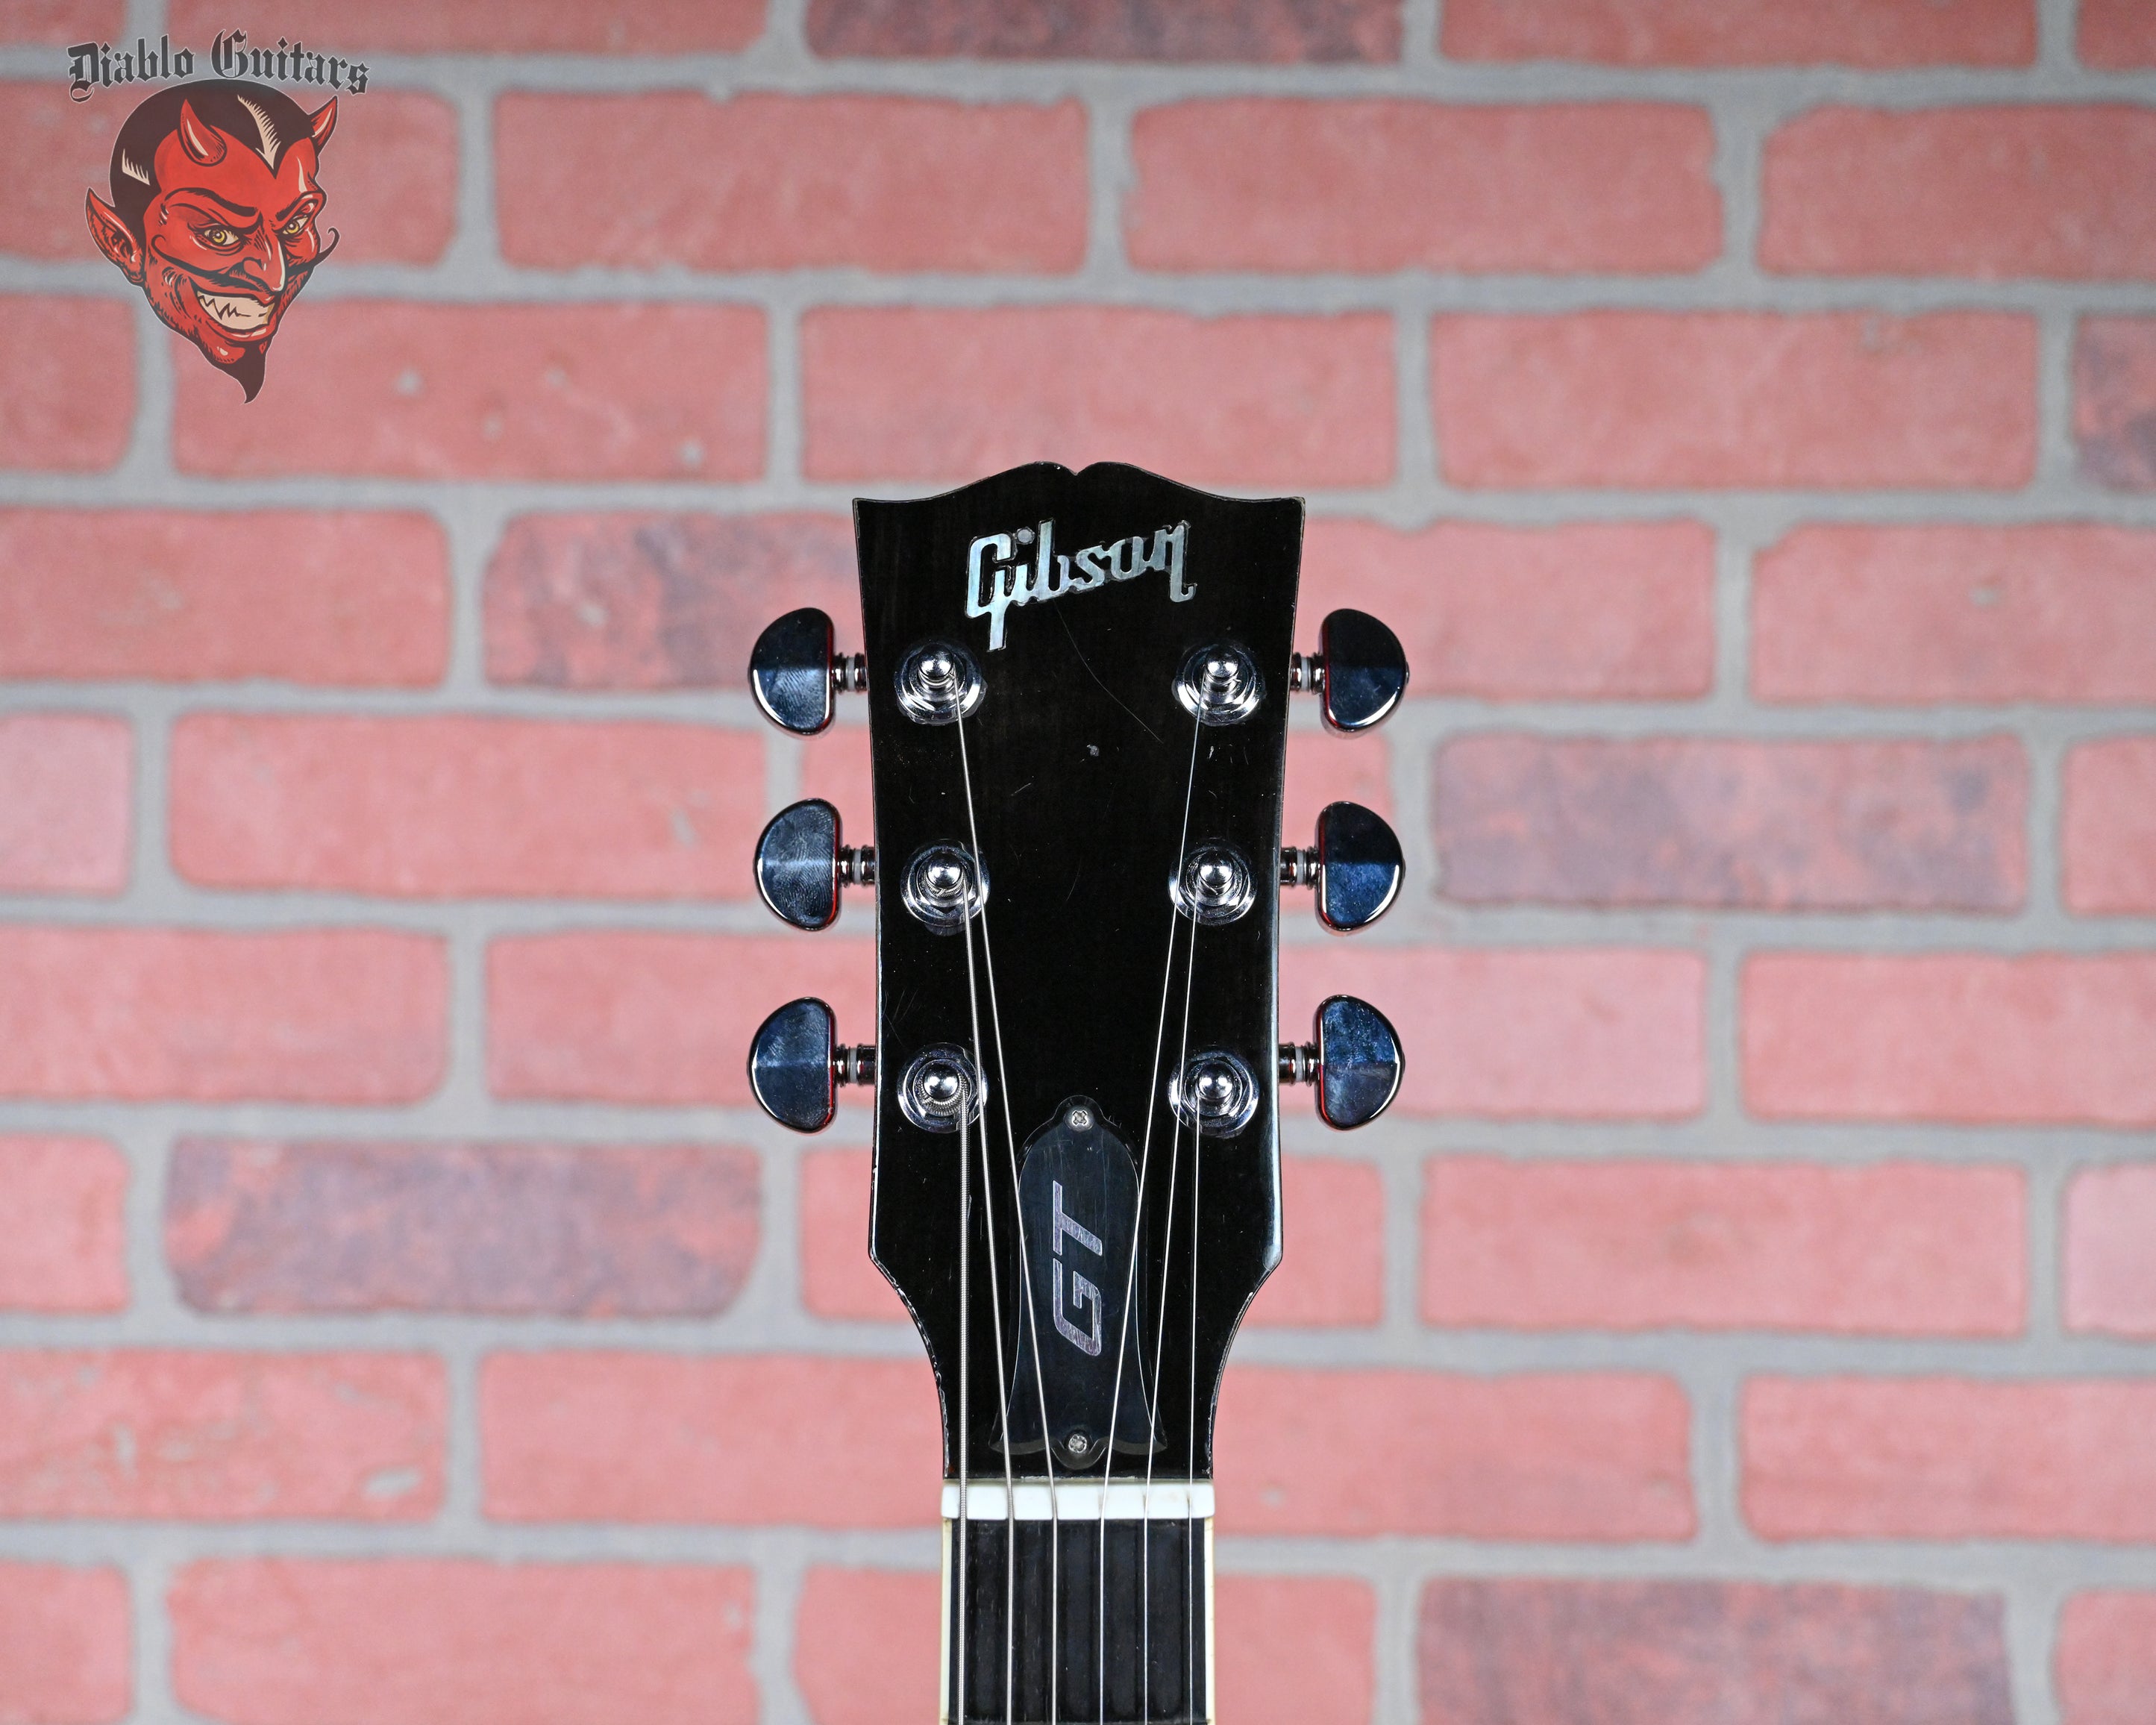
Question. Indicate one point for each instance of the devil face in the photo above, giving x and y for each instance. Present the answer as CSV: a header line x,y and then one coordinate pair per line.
x,y
227,236
230,242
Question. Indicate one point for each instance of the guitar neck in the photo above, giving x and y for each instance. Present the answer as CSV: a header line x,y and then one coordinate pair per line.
x,y
1073,1617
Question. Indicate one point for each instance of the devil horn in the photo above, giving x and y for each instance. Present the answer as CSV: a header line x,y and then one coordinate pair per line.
x,y
202,143
322,122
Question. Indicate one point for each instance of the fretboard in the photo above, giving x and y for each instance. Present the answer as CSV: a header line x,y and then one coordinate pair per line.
x,y
1042,1623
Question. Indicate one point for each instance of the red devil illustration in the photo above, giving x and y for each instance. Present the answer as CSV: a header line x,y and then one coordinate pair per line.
x,y
213,213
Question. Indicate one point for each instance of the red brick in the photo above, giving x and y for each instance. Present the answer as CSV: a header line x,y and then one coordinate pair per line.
x,y
568,392
869,182
1782,826
65,1246
1333,1262
2110,828
1737,400
655,27
336,598
391,178
756,1439
390,175
1253,32
2115,34
1507,1032
1899,1248
2105,1661
1584,1456
1990,192
303,1016
1253,183
2115,401
864,1645
69,402
645,601
1744,32
2111,1250
65,1646
1709,1653
904,393
1324,768
838,1279
70,142
835,766
1584,611
212,1437
66,780
60,22
636,1017
1951,1036
576,1230
465,806
1294,1651
411,1641
1903,616
1949,1458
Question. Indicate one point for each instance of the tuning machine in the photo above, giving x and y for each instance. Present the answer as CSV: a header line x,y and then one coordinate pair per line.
x,y
1355,863
796,1064
1355,1062
796,673
800,864
1359,671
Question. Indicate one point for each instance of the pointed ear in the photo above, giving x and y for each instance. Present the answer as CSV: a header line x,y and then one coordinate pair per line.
x,y
113,238
198,140
322,122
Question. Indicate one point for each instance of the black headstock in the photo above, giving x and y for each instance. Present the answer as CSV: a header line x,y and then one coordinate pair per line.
x,y
1077,689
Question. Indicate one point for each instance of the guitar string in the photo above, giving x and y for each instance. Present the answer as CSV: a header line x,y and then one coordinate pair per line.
x,y
1160,1332
1190,1463
1130,1280
1024,1270
996,1313
957,1676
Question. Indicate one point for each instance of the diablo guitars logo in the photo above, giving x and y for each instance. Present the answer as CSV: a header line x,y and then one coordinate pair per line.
x,y
214,212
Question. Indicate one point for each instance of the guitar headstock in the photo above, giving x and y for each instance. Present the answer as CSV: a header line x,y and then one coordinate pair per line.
x,y
1077,690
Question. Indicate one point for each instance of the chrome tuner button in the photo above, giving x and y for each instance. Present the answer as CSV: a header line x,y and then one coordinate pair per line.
x,y
1214,886
796,1064
1215,1093
1359,671
940,1088
801,864
1220,685
1356,1063
1355,864
943,885
793,672
939,683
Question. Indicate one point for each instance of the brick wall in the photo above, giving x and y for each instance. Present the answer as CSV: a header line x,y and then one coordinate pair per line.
x,y
1744,411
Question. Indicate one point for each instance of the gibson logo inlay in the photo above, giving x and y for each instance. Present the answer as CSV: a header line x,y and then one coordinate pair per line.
x,y
1012,581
